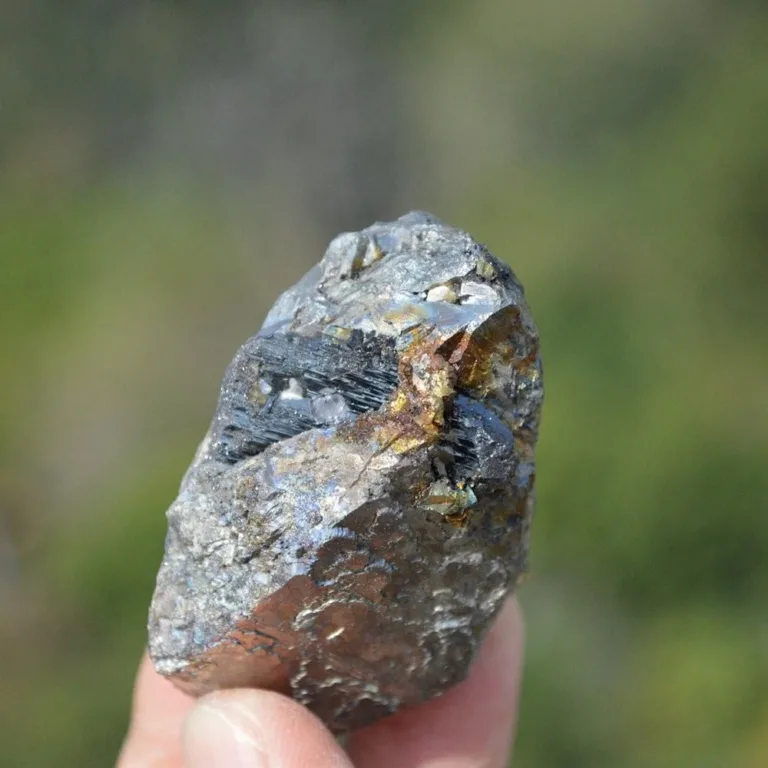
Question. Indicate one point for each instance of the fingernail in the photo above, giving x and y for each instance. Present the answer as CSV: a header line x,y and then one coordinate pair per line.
x,y
221,733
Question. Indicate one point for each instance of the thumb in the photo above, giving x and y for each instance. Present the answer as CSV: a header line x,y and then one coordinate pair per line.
x,y
257,729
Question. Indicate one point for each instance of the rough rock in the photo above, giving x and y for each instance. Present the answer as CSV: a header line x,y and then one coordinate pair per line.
x,y
360,506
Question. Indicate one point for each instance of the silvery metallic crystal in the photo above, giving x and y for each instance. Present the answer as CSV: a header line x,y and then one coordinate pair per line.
x,y
360,506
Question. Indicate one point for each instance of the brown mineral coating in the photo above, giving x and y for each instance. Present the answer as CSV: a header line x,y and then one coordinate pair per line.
x,y
360,506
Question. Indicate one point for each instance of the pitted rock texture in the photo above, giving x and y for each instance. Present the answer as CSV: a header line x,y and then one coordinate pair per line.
x,y
360,506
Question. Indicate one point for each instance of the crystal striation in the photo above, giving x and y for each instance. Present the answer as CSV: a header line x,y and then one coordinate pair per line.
x,y
360,506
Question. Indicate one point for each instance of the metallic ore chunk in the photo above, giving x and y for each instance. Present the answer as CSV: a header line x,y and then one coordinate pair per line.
x,y
360,506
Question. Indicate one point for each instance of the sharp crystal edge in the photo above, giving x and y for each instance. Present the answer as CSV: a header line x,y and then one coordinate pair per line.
x,y
360,506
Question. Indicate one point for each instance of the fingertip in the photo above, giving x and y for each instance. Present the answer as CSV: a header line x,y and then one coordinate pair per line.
x,y
158,711
257,729
154,694
508,631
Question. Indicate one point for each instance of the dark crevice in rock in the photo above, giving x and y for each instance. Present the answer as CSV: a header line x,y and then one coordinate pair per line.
x,y
478,442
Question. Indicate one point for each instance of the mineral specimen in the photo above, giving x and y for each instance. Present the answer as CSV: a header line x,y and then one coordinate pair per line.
x,y
360,506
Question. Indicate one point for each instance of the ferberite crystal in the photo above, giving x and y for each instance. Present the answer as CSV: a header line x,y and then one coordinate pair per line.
x,y
360,506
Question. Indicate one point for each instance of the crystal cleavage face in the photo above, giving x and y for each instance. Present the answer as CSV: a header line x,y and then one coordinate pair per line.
x,y
360,506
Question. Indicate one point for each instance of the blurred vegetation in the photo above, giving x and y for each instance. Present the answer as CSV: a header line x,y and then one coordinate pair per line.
x,y
167,168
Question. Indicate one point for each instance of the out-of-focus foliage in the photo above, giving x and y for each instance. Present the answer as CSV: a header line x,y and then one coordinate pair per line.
x,y
167,168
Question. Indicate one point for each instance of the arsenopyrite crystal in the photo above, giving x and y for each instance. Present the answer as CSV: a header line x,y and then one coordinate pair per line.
x,y
360,506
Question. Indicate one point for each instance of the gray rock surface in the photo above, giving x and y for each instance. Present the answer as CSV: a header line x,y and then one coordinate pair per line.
x,y
360,506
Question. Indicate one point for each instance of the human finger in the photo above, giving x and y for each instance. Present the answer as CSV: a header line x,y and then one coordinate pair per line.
x,y
257,729
159,709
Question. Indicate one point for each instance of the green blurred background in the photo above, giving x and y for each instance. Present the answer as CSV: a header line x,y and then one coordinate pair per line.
x,y
167,168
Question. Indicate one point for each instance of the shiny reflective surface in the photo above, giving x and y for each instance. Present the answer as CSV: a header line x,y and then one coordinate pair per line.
x,y
360,505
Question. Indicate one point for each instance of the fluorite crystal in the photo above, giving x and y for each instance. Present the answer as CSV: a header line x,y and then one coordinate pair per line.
x,y
360,506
